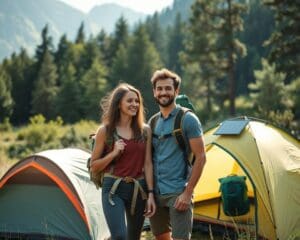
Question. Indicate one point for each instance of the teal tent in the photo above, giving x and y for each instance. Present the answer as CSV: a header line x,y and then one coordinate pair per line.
x,y
49,196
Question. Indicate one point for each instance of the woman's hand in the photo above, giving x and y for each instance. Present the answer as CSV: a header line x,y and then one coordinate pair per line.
x,y
150,206
119,147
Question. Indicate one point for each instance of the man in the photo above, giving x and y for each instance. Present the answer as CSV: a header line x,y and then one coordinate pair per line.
x,y
174,178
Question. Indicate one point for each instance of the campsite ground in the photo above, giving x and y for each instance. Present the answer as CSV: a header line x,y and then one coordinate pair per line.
x,y
197,235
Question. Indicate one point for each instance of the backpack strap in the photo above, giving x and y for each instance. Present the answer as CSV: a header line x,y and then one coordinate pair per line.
x,y
179,135
110,140
178,128
152,124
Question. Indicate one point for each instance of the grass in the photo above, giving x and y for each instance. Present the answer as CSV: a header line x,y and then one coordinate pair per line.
x,y
211,233
195,236
6,139
216,232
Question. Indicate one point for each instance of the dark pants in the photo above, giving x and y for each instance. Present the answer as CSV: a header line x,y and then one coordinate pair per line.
x,y
121,229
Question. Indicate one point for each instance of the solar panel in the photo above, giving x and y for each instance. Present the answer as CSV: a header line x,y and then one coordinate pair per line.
x,y
231,127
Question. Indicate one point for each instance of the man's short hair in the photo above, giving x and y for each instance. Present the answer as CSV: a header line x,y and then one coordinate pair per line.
x,y
164,74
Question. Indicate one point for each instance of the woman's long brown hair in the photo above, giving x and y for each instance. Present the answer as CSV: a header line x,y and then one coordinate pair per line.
x,y
111,111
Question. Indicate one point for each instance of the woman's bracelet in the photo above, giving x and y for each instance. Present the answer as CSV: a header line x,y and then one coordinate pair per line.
x,y
150,191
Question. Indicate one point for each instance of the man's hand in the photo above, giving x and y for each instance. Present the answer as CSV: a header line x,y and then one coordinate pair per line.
x,y
183,201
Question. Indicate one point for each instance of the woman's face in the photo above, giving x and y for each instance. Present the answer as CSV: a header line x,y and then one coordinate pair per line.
x,y
129,104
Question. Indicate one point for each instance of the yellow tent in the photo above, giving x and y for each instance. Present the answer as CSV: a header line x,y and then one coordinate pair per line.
x,y
270,159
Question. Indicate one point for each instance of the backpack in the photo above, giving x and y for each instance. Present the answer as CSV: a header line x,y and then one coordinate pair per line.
x,y
185,106
97,179
235,201
184,101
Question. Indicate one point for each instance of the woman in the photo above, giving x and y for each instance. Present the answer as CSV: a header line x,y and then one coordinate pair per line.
x,y
123,151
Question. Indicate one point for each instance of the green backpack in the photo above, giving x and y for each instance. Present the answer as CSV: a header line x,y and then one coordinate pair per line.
x,y
97,179
184,101
235,201
185,106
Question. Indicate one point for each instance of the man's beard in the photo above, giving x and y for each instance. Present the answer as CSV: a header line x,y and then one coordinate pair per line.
x,y
165,104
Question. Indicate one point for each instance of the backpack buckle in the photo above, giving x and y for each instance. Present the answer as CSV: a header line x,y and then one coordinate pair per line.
x,y
177,131
128,179
161,137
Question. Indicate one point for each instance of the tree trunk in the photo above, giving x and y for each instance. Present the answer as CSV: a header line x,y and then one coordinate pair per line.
x,y
231,77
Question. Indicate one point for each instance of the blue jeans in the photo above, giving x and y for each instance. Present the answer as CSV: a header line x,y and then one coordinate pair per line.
x,y
121,229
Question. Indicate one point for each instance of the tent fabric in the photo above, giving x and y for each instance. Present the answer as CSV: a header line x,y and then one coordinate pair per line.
x,y
57,218
52,185
270,158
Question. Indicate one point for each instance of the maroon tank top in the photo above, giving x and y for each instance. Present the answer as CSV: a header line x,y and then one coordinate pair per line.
x,y
131,161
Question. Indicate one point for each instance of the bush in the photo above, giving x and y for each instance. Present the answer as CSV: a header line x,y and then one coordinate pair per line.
x,y
81,132
71,139
18,151
40,135
5,126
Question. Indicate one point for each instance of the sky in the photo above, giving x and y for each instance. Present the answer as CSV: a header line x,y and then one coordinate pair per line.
x,y
144,6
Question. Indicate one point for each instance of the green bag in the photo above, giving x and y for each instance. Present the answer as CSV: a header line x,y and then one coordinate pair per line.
x,y
184,101
97,178
234,195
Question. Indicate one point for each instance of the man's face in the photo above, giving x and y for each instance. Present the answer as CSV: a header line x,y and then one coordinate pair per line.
x,y
164,92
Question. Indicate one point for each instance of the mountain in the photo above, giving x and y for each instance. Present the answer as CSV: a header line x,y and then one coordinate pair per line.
x,y
106,15
21,22
183,7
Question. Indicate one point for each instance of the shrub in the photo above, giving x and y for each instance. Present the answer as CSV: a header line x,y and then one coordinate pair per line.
x,y
40,135
5,125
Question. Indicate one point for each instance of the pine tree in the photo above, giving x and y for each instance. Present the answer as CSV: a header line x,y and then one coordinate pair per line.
x,y
43,55
294,89
6,101
156,34
62,57
262,16
175,45
45,46
76,56
89,53
200,57
45,88
120,36
80,58
86,54
119,67
104,42
285,41
269,92
21,69
69,97
214,25
80,37
94,85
